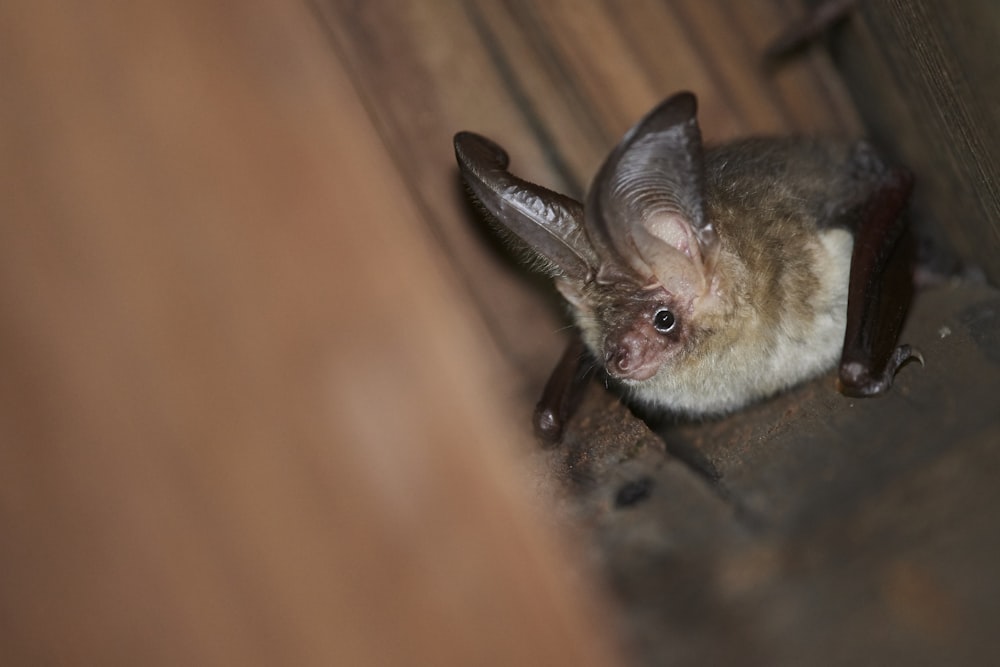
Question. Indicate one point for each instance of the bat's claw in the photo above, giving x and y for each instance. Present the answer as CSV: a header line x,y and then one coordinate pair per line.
x,y
856,379
908,354
548,425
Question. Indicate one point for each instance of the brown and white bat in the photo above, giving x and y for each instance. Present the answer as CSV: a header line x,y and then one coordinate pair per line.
x,y
704,279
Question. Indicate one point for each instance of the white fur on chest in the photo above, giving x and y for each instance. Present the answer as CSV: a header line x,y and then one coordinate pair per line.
x,y
760,366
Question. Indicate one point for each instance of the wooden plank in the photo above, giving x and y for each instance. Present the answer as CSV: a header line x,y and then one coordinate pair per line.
x,y
926,78
243,420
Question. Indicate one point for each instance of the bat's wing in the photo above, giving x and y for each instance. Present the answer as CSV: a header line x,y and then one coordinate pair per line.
x,y
881,283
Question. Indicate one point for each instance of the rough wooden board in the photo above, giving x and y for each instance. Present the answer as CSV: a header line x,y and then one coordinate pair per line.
x,y
243,420
926,76
657,531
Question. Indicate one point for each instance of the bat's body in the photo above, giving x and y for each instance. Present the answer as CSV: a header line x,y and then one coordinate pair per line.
x,y
774,312
704,280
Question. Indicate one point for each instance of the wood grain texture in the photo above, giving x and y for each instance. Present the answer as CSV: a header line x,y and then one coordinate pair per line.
x,y
242,418
926,78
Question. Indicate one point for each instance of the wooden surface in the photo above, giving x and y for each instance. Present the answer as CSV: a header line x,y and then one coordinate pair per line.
x,y
926,78
243,420
268,380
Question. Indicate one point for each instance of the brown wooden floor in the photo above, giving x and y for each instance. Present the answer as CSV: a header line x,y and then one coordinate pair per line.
x,y
267,380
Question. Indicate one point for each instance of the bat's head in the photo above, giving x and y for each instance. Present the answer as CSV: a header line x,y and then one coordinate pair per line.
x,y
636,330
636,262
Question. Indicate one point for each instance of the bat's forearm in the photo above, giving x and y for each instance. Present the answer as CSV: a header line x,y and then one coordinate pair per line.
x,y
880,291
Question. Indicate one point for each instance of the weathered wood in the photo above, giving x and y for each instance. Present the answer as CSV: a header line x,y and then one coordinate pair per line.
x,y
926,77
242,418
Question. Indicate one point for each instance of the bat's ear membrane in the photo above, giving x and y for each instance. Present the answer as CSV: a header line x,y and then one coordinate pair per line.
x,y
648,203
549,225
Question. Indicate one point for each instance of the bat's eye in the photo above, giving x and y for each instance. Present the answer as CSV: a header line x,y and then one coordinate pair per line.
x,y
664,321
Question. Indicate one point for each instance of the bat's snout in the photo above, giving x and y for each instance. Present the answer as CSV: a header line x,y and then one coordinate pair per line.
x,y
627,359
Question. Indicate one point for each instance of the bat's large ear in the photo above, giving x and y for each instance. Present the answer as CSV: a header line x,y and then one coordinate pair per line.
x,y
647,203
548,223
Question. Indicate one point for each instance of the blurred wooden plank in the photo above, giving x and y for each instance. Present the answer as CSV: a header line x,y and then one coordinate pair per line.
x,y
242,420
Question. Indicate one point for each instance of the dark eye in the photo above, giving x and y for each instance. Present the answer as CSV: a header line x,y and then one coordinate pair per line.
x,y
664,320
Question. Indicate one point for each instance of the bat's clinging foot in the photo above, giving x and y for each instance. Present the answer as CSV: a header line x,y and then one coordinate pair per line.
x,y
857,381
881,286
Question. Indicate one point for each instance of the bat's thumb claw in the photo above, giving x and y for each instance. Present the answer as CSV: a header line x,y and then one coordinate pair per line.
x,y
903,355
548,425
857,380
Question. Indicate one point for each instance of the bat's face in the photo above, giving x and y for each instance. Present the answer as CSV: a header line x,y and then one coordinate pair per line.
x,y
634,331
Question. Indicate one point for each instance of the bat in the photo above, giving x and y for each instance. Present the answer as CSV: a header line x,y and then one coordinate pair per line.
x,y
703,279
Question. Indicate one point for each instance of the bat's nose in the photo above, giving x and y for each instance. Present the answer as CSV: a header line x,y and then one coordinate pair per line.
x,y
618,359
629,357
